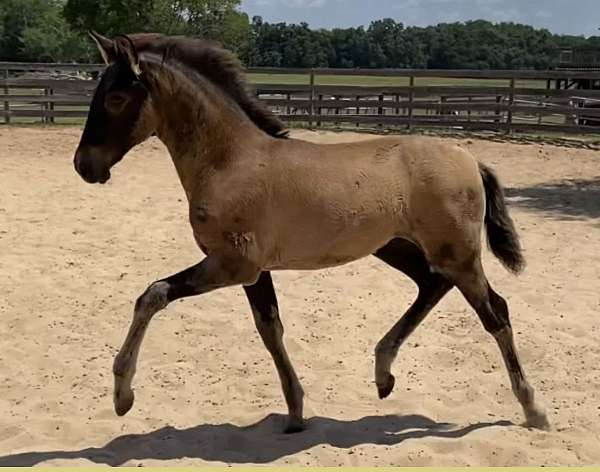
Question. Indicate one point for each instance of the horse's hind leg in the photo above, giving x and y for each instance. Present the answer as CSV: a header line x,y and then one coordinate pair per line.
x,y
263,302
493,312
409,259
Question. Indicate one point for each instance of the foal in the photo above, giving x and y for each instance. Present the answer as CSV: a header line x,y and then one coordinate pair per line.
x,y
260,202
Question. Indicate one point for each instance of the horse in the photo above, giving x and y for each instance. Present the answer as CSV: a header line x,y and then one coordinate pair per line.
x,y
260,201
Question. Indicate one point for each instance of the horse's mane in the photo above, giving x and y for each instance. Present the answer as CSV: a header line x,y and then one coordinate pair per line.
x,y
218,65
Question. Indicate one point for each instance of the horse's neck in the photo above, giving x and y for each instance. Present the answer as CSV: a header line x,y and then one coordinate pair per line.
x,y
202,133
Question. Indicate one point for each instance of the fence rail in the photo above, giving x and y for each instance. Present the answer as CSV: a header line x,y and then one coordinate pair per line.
x,y
475,100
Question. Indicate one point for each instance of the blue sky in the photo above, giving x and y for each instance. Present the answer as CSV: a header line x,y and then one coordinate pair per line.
x,y
559,16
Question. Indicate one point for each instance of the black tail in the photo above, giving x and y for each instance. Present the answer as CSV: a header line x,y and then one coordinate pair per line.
x,y
502,236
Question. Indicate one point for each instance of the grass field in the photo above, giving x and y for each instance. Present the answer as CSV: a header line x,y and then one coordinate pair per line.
x,y
361,80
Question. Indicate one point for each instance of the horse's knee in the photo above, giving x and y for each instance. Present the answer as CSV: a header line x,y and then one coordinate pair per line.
x,y
270,328
154,299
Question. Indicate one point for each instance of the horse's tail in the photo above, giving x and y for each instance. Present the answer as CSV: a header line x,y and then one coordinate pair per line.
x,y
502,236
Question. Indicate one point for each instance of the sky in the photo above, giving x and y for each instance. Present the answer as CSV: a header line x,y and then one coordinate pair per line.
x,y
579,17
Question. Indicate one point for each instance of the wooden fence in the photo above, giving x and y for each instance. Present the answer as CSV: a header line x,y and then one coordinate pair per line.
x,y
458,99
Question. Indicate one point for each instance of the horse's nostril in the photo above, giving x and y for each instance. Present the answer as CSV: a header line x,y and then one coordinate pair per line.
x,y
77,161
84,169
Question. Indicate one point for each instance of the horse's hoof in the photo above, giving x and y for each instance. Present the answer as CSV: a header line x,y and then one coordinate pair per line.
x,y
294,425
123,402
385,390
537,419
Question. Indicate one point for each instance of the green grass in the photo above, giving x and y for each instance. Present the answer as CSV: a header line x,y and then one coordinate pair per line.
x,y
360,80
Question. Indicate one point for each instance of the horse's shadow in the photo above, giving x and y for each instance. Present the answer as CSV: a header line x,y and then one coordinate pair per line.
x,y
566,199
260,443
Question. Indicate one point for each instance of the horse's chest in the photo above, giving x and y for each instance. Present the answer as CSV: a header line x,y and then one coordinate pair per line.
x,y
216,232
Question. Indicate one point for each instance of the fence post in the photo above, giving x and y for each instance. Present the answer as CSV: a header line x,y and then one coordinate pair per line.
x,y
541,104
287,108
548,86
46,107
511,101
497,112
51,90
380,109
311,98
6,103
410,101
43,105
470,100
319,111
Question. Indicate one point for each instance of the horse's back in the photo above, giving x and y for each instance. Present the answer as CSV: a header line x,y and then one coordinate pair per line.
x,y
434,193
351,199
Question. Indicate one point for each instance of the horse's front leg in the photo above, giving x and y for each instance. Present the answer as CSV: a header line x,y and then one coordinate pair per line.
x,y
214,272
263,301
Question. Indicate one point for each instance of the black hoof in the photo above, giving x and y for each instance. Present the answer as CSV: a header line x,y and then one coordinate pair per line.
x,y
385,391
123,402
294,426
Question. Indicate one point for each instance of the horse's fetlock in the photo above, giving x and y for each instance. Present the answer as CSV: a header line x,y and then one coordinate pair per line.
x,y
382,348
120,366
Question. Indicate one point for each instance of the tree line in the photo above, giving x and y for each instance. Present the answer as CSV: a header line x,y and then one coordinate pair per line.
x,y
55,31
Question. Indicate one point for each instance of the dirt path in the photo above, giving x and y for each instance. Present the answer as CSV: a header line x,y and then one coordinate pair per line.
x,y
74,257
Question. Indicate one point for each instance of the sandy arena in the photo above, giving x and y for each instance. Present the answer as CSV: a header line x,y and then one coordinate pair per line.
x,y
74,257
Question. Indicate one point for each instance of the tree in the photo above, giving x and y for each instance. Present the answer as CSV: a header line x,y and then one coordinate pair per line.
x,y
210,19
394,46
35,30
109,17
55,30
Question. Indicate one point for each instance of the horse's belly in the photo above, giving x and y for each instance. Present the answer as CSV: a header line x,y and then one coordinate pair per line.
x,y
320,249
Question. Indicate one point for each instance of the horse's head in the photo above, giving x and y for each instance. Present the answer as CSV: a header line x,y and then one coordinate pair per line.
x,y
120,115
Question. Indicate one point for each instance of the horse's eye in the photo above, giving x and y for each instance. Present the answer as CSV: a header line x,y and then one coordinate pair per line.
x,y
115,101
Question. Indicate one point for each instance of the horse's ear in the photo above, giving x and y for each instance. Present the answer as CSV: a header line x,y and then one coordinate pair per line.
x,y
126,49
105,46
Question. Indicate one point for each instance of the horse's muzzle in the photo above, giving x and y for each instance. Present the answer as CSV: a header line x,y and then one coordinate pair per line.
x,y
90,166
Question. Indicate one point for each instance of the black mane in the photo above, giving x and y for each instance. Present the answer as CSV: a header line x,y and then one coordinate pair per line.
x,y
224,70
